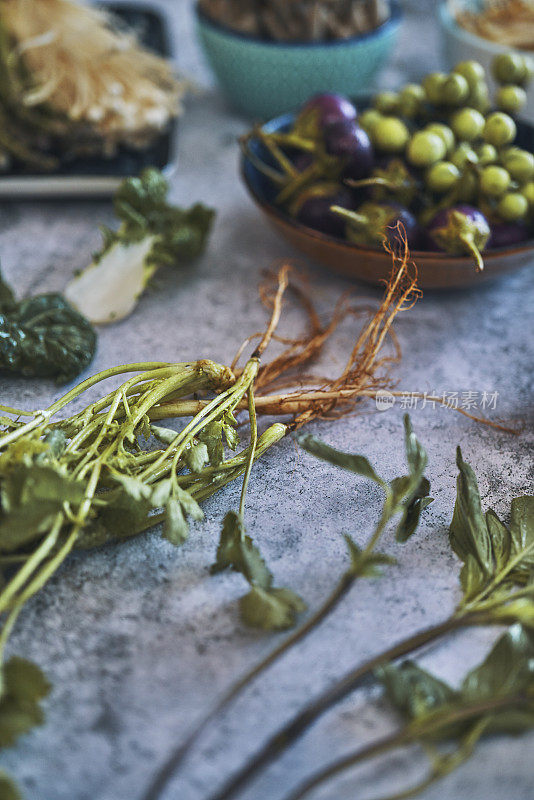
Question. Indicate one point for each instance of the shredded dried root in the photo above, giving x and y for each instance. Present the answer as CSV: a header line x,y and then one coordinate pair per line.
x,y
84,69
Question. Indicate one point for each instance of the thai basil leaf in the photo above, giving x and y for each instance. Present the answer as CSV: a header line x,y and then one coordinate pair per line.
x,y
492,552
413,691
353,463
468,531
44,337
509,667
507,672
522,536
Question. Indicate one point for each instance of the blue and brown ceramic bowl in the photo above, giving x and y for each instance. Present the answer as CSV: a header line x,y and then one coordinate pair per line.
x,y
265,78
373,265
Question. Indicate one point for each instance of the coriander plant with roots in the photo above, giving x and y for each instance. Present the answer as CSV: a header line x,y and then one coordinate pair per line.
x,y
95,477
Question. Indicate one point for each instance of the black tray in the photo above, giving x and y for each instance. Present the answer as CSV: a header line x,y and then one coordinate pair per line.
x,y
98,176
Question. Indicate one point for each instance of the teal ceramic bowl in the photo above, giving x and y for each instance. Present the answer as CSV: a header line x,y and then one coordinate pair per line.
x,y
264,79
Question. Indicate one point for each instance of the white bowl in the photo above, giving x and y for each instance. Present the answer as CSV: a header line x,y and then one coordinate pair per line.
x,y
460,45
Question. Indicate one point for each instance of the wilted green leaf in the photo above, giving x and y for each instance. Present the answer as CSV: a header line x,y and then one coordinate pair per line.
x,y
178,507
23,687
406,495
31,497
175,527
122,514
161,492
493,554
498,690
522,535
468,531
8,789
196,456
211,436
237,551
353,463
165,435
136,489
413,691
271,609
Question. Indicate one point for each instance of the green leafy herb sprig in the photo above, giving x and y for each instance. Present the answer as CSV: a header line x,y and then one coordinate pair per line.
x,y
404,497
495,697
152,233
43,336
499,590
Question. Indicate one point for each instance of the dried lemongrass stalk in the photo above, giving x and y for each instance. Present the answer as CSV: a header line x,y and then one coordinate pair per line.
x,y
509,22
71,60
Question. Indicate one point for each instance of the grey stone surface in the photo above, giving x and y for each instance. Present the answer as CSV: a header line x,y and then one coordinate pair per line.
x,y
140,640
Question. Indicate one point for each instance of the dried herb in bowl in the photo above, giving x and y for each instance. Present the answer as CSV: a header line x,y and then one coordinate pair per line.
x,y
509,22
298,20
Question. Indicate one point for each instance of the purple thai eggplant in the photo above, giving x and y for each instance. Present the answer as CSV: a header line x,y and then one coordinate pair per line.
x,y
328,108
350,143
312,207
506,234
460,230
371,223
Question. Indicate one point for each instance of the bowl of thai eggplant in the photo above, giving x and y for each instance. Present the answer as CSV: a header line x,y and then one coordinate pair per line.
x,y
435,164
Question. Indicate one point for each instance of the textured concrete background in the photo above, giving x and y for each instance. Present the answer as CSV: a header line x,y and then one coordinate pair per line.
x,y
140,640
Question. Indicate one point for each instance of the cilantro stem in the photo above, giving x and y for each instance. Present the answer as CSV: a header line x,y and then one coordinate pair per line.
x,y
252,449
31,564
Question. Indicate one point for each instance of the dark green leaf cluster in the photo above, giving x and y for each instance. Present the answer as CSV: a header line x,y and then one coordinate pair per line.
x,y
43,336
499,692
32,495
495,556
23,686
142,206
265,606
